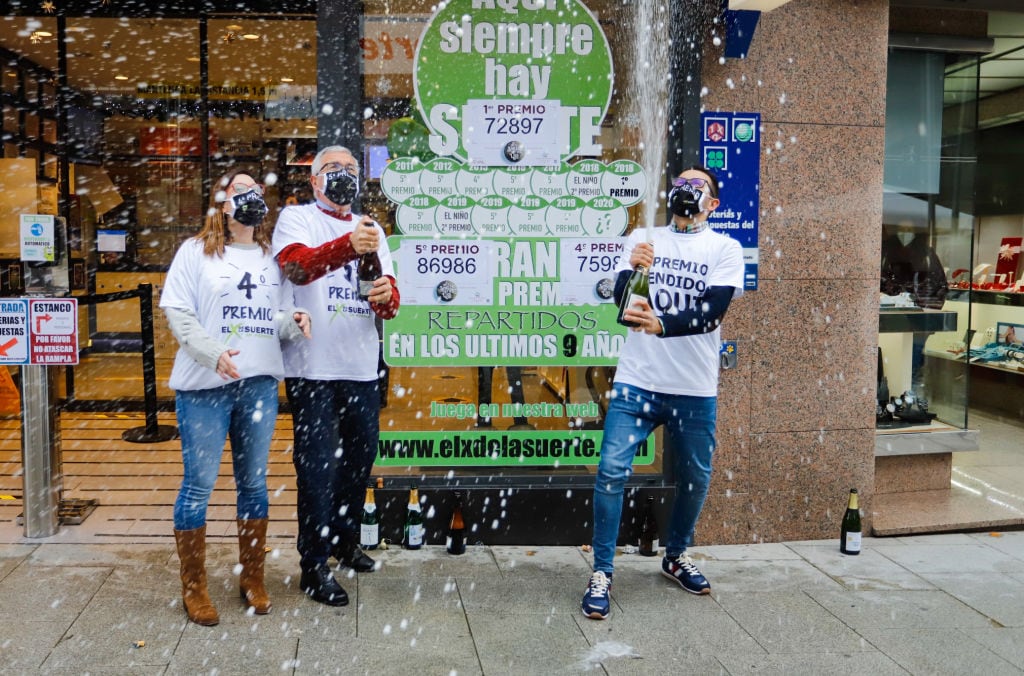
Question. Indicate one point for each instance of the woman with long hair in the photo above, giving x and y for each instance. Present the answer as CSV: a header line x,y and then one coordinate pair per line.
x,y
229,307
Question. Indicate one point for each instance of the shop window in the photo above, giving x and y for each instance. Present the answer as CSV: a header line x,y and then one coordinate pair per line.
x,y
928,226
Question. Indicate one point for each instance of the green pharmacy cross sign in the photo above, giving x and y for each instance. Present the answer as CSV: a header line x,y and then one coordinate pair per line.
x,y
513,82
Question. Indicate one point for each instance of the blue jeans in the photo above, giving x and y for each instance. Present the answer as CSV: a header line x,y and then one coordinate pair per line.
x,y
245,411
336,424
633,413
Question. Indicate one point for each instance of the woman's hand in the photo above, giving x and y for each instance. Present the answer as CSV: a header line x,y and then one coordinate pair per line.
x,y
226,368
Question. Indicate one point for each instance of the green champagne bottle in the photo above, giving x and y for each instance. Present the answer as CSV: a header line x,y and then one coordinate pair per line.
x,y
414,521
637,287
369,527
849,536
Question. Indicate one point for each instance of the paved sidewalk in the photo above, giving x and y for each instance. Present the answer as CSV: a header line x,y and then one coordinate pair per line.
x,y
941,604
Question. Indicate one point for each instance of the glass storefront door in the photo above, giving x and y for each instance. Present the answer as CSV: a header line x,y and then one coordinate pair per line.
x,y
158,107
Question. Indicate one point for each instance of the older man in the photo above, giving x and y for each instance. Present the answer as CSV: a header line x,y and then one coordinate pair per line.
x,y
332,380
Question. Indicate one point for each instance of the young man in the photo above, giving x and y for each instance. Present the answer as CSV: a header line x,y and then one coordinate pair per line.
x,y
332,380
667,375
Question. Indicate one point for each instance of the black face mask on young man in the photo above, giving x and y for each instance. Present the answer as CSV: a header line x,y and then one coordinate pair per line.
x,y
686,201
249,209
341,187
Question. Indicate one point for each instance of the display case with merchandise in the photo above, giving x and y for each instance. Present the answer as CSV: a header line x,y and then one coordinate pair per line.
x,y
927,237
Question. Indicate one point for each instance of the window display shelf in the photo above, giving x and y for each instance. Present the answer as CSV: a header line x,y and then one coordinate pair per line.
x,y
916,321
936,437
1005,298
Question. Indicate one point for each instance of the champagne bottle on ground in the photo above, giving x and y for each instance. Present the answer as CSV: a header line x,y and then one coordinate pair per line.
x,y
456,540
637,287
368,271
414,521
649,530
369,527
849,536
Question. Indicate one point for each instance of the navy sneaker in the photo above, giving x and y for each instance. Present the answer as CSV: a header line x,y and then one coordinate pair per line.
x,y
596,599
682,570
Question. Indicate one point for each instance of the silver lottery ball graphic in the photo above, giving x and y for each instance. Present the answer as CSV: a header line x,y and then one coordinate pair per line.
x,y
605,289
447,291
514,151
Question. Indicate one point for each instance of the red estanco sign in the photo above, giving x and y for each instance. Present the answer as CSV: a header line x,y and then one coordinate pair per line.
x,y
53,331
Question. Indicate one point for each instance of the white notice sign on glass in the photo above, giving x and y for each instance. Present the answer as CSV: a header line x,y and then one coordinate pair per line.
x,y
446,271
111,240
502,133
37,241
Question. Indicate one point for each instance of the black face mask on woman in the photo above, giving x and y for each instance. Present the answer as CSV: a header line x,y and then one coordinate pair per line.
x,y
341,187
249,209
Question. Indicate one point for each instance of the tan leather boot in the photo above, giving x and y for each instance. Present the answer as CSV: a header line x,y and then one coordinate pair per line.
x,y
192,552
252,540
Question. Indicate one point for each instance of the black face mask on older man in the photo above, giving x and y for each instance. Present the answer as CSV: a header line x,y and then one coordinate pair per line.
x,y
341,187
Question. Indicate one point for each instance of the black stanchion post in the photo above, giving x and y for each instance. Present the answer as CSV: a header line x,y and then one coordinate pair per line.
x,y
153,431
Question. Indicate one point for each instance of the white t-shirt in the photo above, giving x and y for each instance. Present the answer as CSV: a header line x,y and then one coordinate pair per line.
x,y
684,266
345,344
237,298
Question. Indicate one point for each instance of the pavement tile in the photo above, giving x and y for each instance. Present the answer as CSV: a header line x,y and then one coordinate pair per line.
x,y
24,645
687,639
999,597
938,651
150,584
898,608
1011,542
791,622
11,556
868,570
106,632
1007,642
546,560
108,670
773,552
546,595
758,576
969,557
52,593
529,644
839,664
367,656
933,540
617,658
425,611
229,656
132,554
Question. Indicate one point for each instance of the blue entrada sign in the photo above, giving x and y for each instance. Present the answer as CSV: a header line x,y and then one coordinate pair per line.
x,y
731,147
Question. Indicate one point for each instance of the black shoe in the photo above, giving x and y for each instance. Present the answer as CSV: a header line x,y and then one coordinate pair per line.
x,y
319,584
354,557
